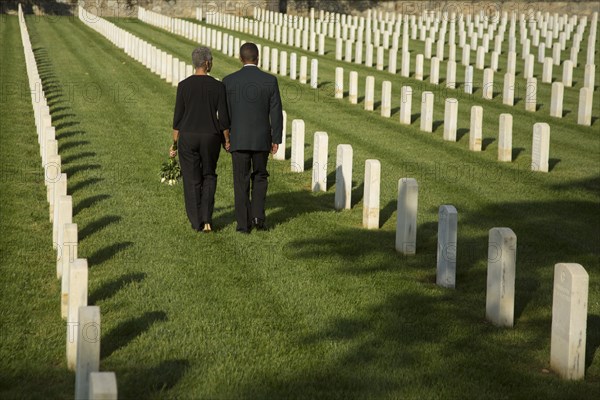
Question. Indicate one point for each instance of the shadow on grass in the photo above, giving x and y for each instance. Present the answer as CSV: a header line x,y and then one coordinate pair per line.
x,y
592,339
151,382
89,202
83,184
97,225
110,288
387,343
127,331
109,252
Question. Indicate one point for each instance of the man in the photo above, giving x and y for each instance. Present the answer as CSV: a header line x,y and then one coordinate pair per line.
x,y
254,105
199,118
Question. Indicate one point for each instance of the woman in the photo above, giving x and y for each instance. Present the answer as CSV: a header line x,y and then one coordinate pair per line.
x,y
200,118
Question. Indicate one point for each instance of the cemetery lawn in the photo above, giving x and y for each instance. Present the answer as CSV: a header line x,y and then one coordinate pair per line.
x,y
315,308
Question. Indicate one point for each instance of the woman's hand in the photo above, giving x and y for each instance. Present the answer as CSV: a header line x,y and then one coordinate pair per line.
x,y
172,152
227,145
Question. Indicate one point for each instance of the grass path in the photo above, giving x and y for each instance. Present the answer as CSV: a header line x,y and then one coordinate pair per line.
x,y
317,307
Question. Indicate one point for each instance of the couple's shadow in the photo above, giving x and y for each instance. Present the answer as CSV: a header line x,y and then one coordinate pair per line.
x,y
282,207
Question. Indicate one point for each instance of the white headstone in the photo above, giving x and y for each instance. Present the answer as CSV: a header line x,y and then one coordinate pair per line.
x,y
547,70
556,101
406,222
569,321
451,75
386,99
450,119
469,79
584,112
480,59
405,64
283,57
68,255
303,69
531,95
380,54
297,159
319,169
406,105
419,67
488,84
505,138
475,135
88,349
540,149
529,65
369,93
567,78
280,154
339,83
447,246
78,297
427,111
434,74
60,189
353,87
63,214
371,194
343,177
589,76
393,61
500,298
293,66
466,55
314,73
508,94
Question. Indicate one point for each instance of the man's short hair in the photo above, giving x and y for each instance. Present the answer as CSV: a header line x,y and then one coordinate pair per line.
x,y
201,55
249,52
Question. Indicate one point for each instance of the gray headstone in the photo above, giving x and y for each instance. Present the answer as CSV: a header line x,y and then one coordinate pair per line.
x,y
343,177
319,169
371,194
88,349
447,246
406,222
540,149
569,321
500,298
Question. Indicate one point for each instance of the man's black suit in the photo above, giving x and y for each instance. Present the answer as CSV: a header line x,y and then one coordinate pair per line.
x,y
254,105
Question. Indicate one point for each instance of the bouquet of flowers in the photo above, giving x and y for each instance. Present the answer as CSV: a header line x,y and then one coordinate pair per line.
x,y
170,171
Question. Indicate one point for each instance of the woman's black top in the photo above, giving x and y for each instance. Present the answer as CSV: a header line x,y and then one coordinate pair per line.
x,y
201,106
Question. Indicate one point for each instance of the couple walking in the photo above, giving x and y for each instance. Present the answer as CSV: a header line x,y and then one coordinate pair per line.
x,y
243,114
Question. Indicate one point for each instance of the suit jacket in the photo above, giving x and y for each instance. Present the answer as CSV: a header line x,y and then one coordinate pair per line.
x,y
254,105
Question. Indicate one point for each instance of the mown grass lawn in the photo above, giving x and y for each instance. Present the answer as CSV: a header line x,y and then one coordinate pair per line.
x,y
315,308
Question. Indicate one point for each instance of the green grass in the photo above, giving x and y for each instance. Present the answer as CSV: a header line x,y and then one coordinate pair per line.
x,y
315,308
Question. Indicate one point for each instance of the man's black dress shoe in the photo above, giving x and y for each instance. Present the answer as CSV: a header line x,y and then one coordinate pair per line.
x,y
259,224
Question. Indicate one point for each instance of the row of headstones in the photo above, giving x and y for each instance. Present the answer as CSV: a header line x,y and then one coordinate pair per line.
x,y
344,154
271,59
569,310
428,19
585,96
556,33
481,51
354,53
357,32
451,105
83,322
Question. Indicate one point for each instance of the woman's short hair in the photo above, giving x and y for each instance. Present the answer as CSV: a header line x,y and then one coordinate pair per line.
x,y
200,56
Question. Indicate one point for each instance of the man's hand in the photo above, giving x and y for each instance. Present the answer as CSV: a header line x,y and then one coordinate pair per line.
x,y
172,153
274,148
